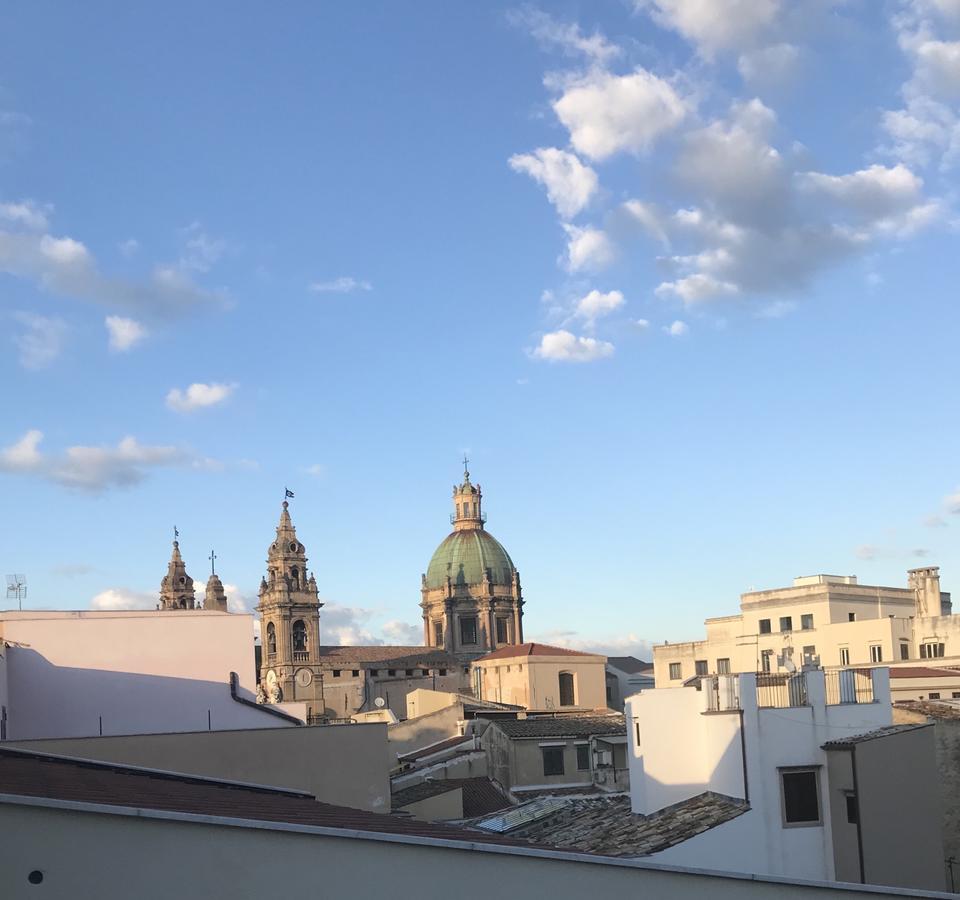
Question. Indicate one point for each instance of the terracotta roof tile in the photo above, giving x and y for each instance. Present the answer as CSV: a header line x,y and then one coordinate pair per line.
x,y
922,672
561,726
886,731
481,797
531,649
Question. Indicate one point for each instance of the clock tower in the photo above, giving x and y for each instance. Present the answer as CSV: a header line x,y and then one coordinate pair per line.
x,y
289,610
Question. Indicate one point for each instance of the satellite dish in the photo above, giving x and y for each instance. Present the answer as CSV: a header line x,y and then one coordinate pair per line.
x,y
379,703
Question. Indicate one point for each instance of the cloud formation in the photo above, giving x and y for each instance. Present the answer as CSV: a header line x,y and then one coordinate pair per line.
x,y
89,468
345,284
123,598
563,346
124,334
570,184
41,341
565,36
198,396
597,304
715,25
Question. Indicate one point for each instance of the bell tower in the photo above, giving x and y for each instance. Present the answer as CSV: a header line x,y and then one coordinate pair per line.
x,y
289,620
176,589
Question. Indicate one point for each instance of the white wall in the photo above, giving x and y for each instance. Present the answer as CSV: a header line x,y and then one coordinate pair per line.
x,y
143,671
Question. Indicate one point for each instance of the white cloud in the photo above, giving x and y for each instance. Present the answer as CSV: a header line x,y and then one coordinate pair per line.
x,y
562,346
93,468
769,66
642,324
129,247
124,333
676,329
237,601
317,470
41,342
345,284
610,645
588,248
26,213
124,598
200,251
597,304
198,396
715,25
566,36
697,288
874,193
606,114
569,183
951,504
648,217
402,633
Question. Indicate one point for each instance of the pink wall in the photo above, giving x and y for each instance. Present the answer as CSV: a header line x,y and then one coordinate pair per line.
x,y
137,671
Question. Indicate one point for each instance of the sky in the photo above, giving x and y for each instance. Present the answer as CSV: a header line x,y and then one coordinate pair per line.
x,y
678,276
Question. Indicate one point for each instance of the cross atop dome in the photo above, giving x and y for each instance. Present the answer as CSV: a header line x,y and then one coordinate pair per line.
x,y
467,502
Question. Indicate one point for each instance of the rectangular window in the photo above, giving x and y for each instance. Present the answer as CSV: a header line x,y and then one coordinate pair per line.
x,y
723,666
442,671
852,816
674,671
934,695
851,617
786,623
876,653
800,790
904,650
929,650
764,626
409,671
955,695
468,630
636,726
765,660
391,672
844,656
700,667
552,760
438,634
355,673
583,757
374,672
809,653
501,631
806,621
336,673
424,672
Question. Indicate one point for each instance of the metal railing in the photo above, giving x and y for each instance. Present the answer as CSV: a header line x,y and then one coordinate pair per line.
x,y
721,692
779,691
482,517
849,686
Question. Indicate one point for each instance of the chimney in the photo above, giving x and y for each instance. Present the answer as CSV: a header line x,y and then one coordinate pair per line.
x,y
926,589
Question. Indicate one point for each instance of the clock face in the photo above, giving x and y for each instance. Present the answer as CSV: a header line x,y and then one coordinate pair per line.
x,y
304,677
271,678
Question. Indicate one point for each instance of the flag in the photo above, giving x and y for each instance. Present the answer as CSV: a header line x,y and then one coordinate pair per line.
x,y
176,533
287,492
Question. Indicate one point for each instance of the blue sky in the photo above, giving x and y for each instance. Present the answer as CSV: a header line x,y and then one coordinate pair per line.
x,y
679,277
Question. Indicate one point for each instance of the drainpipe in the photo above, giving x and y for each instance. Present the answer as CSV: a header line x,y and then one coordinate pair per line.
x,y
743,758
856,794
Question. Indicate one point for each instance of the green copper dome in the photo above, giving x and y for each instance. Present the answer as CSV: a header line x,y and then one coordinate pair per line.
x,y
466,556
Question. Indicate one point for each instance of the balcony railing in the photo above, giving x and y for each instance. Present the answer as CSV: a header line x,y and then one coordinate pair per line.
x,y
721,692
301,655
481,518
779,691
849,686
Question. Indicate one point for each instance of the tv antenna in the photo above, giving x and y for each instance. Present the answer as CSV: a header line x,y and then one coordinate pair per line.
x,y
17,589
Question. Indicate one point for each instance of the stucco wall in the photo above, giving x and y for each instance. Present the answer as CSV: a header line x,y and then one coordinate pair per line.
x,y
534,681
439,808
104,857
415,734
519,763
145,671
343,764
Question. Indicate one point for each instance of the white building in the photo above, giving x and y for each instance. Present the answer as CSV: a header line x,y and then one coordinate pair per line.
x,y
81,674
812,756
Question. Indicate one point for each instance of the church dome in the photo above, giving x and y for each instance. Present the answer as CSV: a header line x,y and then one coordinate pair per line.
x,y
466,556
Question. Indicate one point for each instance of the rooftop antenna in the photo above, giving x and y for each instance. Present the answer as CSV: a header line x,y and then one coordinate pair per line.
x,y
17,588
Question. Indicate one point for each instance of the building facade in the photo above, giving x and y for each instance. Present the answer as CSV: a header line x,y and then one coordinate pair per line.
x,y
471,599
830,620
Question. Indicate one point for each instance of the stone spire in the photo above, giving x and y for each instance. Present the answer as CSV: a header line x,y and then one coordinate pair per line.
x,y
215,597
176,589
467,504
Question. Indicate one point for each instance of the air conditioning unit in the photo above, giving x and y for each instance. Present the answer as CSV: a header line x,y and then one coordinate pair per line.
x,y
604,758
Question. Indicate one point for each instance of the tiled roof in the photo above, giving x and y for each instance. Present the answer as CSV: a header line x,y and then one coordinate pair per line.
x,y
606,825
514,650
922,672
886,731
401,657
629,664
560,726
936,709
481,797
26,773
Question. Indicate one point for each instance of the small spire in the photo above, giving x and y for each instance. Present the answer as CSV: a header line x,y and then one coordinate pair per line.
x,y
466,472
213,558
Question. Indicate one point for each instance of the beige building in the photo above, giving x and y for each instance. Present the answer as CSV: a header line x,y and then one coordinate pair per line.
x,y
540,677
470,594
549,753
828,620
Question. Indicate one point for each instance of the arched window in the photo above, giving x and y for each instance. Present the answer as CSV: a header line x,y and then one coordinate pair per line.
x,y
299,636
294,574
271,639
567,697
